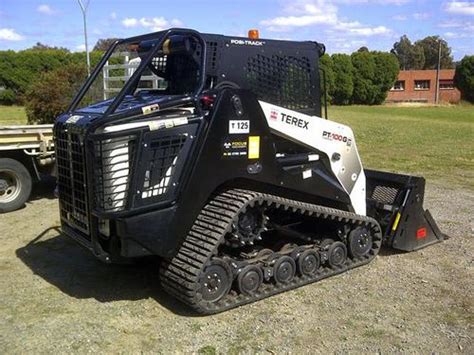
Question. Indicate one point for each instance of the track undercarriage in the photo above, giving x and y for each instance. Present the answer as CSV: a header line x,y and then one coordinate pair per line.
x,y
245,246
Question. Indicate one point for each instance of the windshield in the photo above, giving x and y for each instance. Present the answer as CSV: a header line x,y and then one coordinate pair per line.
x,y
173,70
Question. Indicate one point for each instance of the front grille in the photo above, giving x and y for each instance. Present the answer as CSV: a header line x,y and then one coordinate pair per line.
x,y
112,172
71,178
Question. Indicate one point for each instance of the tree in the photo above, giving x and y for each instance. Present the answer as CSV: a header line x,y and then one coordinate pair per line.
x,y
364,74
363,49
104,43
52,92
374,74
386,73
409,56
464,77
326,66
430,46
343,87
40,47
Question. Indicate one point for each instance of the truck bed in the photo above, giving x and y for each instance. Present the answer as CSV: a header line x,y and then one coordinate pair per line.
x,y
26,137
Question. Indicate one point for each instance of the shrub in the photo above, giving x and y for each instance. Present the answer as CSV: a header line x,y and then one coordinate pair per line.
x,y
374,74
7,97
364,74
326,65
50,95
18,70
343,78
386,73
464,77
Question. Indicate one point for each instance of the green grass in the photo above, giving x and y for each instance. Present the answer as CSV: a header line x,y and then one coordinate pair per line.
x,y
435,142
12,115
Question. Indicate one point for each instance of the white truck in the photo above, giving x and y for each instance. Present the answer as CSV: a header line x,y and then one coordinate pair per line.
x,y
26,152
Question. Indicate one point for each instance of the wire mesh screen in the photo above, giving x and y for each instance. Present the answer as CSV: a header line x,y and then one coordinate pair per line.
x,y
112,169
385,194
71,178
161,164
282,80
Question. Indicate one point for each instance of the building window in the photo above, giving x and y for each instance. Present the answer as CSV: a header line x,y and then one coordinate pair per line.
x,y
399,85
422,84
446,84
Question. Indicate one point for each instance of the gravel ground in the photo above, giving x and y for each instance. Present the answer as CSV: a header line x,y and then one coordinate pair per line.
x,y
55,297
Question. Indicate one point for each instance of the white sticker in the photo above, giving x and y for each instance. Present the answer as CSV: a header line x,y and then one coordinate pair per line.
x,y
239,126
307,174
73,119
313,157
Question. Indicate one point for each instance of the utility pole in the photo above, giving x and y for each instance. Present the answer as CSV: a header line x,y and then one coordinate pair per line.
x,y
437,73
84,5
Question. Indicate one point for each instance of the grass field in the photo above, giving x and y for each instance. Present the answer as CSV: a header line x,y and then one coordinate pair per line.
x,y
12,115
436,142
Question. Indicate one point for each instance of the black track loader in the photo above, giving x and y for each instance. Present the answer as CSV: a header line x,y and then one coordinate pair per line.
x,y
210,152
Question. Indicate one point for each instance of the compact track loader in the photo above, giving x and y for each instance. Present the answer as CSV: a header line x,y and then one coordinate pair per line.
x,y
212,154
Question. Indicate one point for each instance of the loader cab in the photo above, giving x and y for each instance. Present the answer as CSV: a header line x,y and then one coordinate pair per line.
x,y
179,65
142,71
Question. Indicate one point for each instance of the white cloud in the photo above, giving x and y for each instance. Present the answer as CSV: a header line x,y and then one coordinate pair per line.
x,y
378,2
303,13
9,34
421,15
80,48
45,9
461,27
460,7
456,35
130,22
400,17
113,15
356,28
154,23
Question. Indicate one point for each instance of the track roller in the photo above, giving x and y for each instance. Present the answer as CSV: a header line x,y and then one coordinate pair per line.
x,y
308,262
249,279
337,254
284,269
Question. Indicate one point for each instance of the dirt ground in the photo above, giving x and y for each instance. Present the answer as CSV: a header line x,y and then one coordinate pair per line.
x,y
55,297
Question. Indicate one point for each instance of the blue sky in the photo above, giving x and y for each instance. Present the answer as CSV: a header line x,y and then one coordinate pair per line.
x,y
343,25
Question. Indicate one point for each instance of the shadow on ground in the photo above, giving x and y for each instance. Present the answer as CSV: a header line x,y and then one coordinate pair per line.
x,y
43,188
64,264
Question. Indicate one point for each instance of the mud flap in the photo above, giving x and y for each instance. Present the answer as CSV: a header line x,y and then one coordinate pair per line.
x,y
396,201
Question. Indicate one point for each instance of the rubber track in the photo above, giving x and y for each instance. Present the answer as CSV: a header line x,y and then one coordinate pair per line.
x,y
180,275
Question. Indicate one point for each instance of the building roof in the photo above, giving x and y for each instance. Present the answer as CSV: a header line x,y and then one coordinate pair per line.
x,y
444,74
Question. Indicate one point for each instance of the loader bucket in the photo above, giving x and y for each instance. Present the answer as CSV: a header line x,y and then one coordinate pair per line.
x,y
396,201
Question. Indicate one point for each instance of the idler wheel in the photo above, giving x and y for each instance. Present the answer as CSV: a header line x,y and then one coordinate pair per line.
x,y
249,279
360,242
216,281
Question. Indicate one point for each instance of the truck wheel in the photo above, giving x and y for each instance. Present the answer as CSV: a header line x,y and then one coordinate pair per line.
x,y
15,185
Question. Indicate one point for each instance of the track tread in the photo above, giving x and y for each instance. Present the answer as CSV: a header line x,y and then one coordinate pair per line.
x,y
180,275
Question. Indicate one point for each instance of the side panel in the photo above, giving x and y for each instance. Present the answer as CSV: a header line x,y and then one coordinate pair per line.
x,y
334,139
222,158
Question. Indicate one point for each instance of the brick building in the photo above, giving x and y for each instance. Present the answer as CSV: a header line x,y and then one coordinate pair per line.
x,y
420,86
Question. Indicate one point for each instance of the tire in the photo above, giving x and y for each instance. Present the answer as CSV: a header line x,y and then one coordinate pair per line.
x,y
15,185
